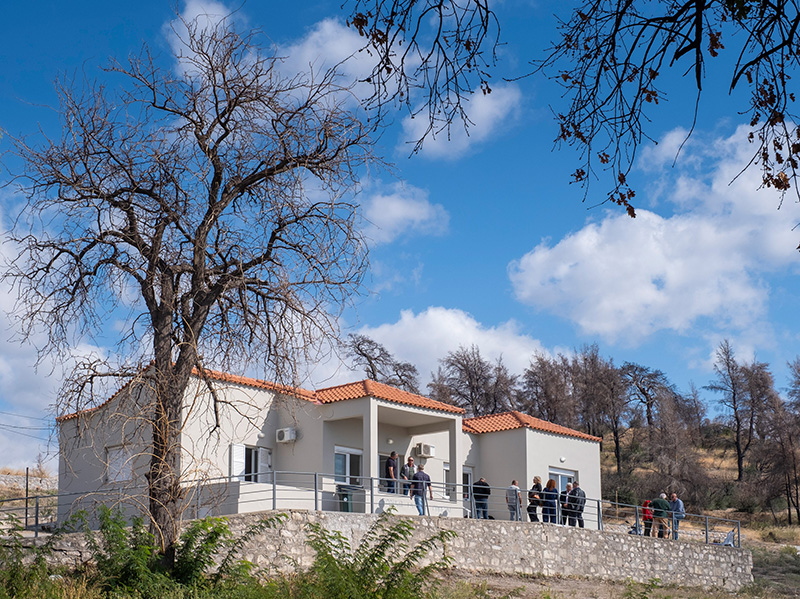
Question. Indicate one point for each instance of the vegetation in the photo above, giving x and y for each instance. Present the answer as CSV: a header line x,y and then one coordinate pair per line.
x,y
656,436
125,563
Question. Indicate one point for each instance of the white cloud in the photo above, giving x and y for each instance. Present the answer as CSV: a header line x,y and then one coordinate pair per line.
x,y
625,279
488,113
328,44
425,337
404,210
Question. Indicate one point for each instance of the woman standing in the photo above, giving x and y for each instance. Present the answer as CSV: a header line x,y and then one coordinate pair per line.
x,y
550,498
534,498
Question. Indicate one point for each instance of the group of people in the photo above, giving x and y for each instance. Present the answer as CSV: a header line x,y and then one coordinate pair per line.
x,y
663,517
414,480
558,507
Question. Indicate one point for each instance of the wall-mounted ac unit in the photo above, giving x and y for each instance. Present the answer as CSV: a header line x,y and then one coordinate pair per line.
x,y
286,435
424,450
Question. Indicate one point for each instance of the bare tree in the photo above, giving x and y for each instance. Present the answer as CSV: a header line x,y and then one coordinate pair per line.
x,y
612,58
207,196
547,390
379,365
746,391
465,379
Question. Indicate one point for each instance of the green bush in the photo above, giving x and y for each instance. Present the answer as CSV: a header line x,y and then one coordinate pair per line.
x,y
381,567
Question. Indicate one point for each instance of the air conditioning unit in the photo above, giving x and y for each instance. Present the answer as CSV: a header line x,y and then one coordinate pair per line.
x,y
286,435
424,450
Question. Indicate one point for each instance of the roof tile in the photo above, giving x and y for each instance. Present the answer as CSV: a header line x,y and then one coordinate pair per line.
x,y
369,388
512,420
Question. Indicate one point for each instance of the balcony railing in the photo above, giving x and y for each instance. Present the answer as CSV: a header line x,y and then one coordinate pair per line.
x,y
361,494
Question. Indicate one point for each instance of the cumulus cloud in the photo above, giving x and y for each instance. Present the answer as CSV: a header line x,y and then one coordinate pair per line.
x,y
328,44
425,337
403,210
625,279
488,114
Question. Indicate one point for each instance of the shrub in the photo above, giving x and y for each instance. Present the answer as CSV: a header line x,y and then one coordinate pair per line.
x,y
381,567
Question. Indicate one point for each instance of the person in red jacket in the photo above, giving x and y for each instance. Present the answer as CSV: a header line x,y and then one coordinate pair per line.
x,y
647,516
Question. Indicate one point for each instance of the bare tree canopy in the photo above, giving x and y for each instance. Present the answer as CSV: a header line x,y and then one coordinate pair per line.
x,y
467,380
610,56
379,365
208,197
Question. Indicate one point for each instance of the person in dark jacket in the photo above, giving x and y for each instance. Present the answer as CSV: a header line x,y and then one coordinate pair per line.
x,y
549,500
660,509
576,502
481,492
534,498
562,502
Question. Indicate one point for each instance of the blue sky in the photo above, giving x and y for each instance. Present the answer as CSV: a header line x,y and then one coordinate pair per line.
x,y
479,239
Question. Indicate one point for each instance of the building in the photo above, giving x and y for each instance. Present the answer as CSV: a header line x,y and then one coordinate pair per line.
x,y
326,449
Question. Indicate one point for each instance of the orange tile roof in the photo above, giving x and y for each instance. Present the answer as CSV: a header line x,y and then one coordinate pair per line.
x,y
369,388
214,375
511,420
365,388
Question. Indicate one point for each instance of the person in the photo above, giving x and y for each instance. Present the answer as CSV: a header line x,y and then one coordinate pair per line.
x,y
481,492
391,472
660,508
513,501
534,498
563,503
549,500
678,513
406,472
647,516
420,481
577,502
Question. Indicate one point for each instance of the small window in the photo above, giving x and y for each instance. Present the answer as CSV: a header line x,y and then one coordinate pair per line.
x,y
118,464
347,465
562,477
251,464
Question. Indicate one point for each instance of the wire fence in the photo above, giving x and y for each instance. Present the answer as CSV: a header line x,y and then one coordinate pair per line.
x,y
360,494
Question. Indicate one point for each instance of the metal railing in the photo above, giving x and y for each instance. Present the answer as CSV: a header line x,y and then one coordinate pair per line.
x,y
362,494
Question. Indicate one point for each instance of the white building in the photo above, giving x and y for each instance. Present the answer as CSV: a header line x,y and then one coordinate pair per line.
x,y
269,446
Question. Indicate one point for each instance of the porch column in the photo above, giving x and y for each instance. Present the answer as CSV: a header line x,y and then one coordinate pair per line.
x,y
455,474
370,439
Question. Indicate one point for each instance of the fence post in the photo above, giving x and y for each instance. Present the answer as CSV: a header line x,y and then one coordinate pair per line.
x,y
638,529
371,495
36,519
599,516
472,504
316,491
706,530
27,493
739,534
274,492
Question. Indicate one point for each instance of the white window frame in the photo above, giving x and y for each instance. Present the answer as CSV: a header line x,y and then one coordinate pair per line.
x,y
347,476
260,459
119,467
562,477
466,480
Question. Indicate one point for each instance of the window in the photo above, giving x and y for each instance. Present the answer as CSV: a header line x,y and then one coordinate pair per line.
x,y
347,465
251,464
562,477
118,464
466,480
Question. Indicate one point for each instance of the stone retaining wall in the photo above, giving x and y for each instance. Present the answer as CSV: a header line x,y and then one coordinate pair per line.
x,y
506,547
36,483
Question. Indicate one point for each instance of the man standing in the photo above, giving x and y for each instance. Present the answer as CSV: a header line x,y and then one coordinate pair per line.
x,y
513,501
391,472
563,499
660,509
576,502
678,513
420,481
481,492
406,472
